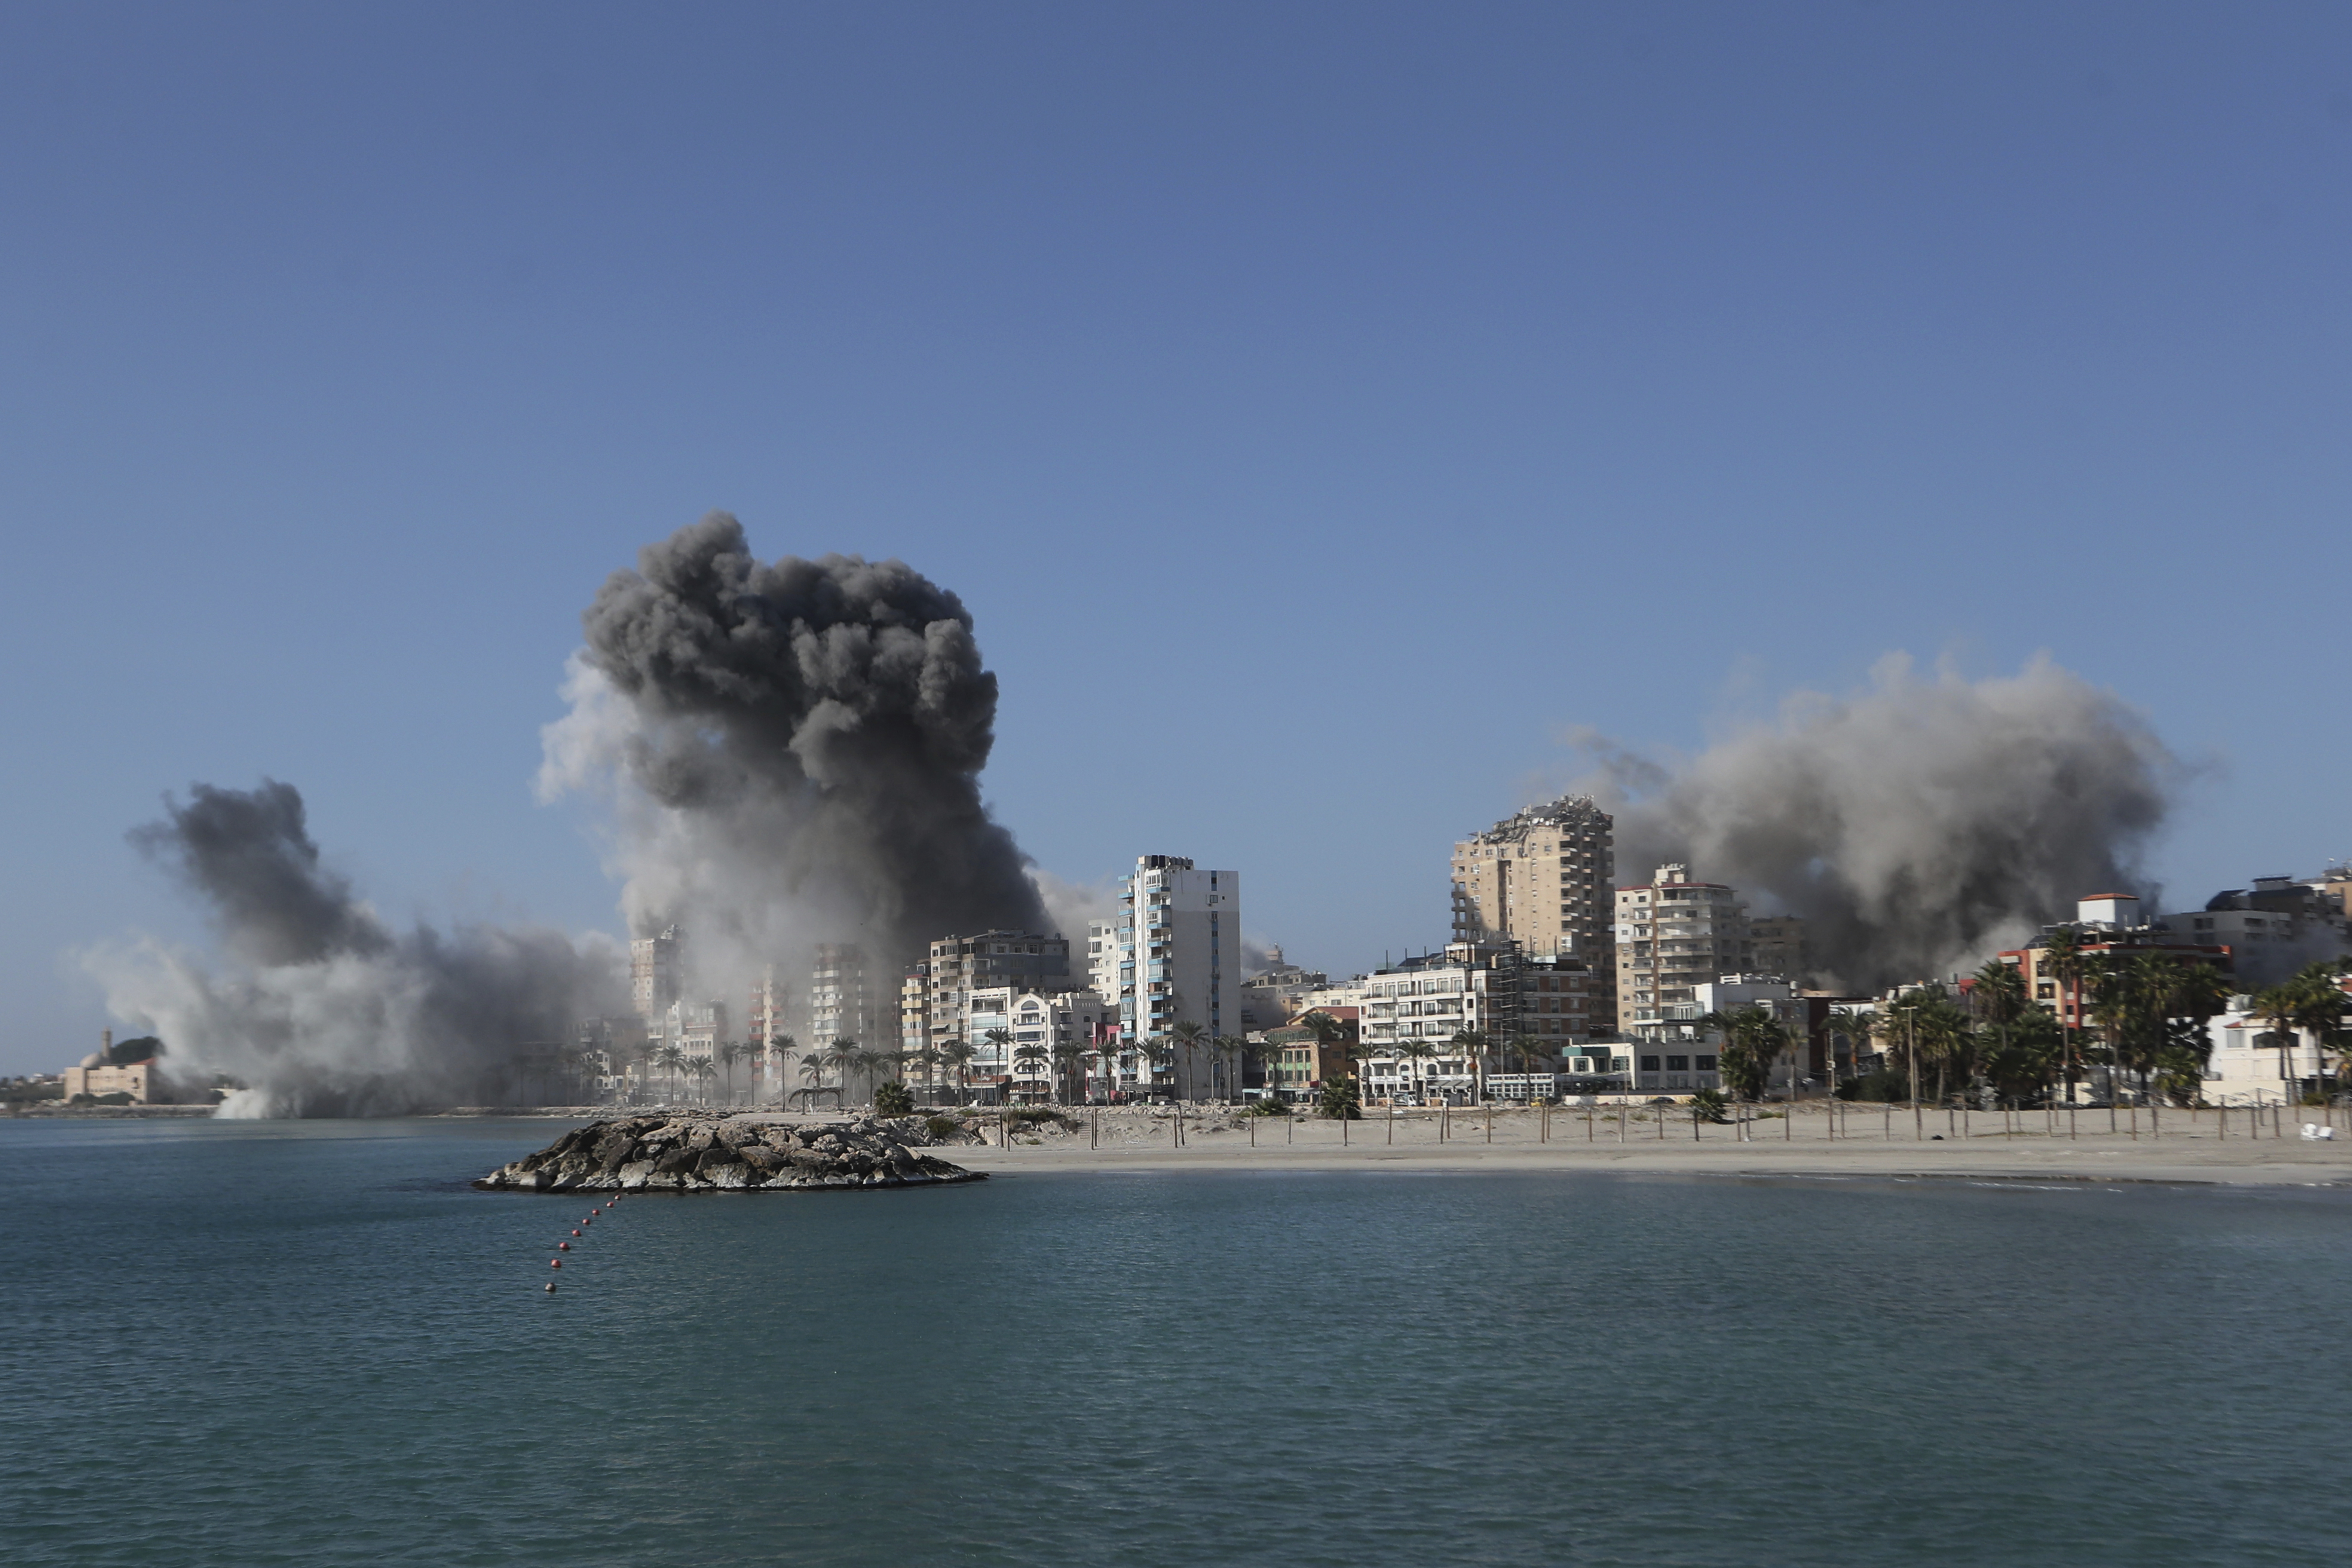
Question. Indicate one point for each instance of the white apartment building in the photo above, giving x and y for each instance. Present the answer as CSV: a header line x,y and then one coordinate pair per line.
x,y
2247,1066
1102,958
1672,936
1179,933
1540,879
1411,1015
999,1073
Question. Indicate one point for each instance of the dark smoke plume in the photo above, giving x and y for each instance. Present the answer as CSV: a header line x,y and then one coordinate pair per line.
x,y
330,1012
797,749
248,855
1919,826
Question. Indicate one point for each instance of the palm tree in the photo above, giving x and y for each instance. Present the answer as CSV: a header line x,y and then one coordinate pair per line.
x,y
1418,1051
2064,956
1189,1037
704,1070
2275,1006
958,1054
1229,1048
1069,1063
1105,1053
2308,1000
999,1045
1033,1055
1999,994
1268,1055
670,1059
813,1069
873,1066
1998,998
779,1047
1856,1025
1941,1030
845,1056
1526,1047
1159,1053
729,1052
928,1058
1749,1045
2319,1012
1472,1043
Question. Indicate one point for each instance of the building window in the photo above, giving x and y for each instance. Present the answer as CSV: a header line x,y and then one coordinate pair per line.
x,y
1649,1064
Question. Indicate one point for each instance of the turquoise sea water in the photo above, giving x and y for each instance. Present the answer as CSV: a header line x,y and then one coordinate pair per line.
x,y
305,1344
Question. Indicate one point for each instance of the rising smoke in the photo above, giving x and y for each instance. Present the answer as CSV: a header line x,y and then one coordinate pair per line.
x,y
1919,826
329,1012
791,753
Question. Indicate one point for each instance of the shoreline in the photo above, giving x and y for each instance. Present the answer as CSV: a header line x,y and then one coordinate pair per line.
x,y
2189,1151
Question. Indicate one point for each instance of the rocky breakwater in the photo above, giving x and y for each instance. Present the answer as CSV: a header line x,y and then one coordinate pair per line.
x,y
707,1153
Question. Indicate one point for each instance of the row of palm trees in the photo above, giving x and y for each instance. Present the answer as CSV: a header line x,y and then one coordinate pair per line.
x,y
2138,1017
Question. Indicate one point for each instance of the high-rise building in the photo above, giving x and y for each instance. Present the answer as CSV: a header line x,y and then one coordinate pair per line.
x,y
655,974
1180,950
1540,879
846,1001
1102,958
766,1028
1777,945
1674,934
962,964
915,1023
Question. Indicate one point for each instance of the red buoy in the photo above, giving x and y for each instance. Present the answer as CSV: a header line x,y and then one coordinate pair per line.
x,y
575,1230
555,1263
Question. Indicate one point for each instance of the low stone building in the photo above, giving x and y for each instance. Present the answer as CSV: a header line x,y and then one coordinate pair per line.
x,y
127,1068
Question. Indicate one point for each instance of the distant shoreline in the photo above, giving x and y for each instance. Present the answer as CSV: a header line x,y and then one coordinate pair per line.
x,y
2190,1150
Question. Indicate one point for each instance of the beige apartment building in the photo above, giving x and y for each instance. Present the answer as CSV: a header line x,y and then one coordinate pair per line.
x,y
846,1000
961,965
1540,879
1672,936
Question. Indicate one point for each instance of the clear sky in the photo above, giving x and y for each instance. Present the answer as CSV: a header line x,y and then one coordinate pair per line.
x,y
1320,409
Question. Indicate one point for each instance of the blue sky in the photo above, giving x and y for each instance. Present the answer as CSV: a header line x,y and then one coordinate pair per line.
x,y
1320,409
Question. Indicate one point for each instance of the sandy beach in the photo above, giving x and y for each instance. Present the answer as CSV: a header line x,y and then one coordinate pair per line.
x,y
1865,1141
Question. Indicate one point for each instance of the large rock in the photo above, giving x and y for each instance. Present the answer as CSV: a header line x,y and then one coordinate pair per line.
x,y
699,1152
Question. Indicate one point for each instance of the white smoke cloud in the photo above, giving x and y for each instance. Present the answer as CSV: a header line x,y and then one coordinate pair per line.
x,y
323,1010
1919,825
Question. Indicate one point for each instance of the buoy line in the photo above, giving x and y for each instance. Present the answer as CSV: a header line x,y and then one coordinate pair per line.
x,y
563,1247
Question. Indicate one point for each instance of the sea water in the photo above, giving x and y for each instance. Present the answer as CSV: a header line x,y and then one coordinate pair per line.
x,y
309,1343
